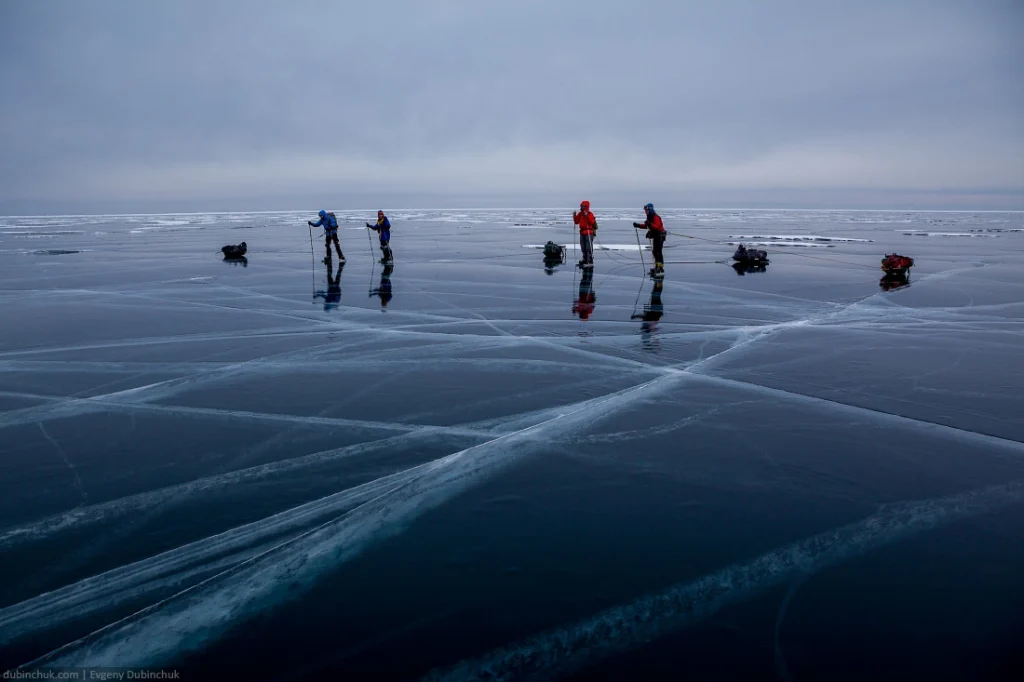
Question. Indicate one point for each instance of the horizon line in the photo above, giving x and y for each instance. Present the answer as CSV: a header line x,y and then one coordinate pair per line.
x,y
519,208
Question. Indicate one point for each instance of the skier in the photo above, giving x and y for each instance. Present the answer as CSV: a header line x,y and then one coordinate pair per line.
x,y
383,228
330,224
656,233
588,227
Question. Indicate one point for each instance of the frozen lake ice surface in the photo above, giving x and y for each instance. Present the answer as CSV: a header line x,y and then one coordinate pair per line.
x,y
475,465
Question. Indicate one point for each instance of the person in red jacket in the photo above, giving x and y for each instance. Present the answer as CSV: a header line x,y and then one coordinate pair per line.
x,y
656,233
588,227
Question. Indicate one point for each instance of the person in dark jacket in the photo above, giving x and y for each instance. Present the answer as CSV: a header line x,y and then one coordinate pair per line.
x,y
330,224
656,233
383,229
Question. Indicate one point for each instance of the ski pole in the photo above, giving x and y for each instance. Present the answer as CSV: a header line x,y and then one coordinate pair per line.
x,y
642,261
312,258
369,240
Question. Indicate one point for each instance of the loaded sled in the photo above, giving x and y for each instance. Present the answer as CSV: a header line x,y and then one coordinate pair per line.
x,y
896,266
234,252
750,256
554,254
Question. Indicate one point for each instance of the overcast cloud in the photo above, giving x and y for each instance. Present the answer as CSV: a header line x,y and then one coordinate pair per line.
x,y
215,105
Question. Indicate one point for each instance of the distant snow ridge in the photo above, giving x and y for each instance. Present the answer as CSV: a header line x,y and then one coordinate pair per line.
x,y
597,247
922,233
798,238
809,245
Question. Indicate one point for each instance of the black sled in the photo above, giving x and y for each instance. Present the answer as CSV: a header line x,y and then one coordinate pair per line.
x,y
750,256
233,252
554,254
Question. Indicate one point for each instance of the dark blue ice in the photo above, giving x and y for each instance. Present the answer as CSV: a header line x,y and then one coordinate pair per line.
x,y
476,465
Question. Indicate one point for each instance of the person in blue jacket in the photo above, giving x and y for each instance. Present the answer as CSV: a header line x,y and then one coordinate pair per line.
x,y
383,228
330,225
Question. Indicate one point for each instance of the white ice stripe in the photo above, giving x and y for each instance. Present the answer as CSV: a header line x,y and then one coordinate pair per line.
x,y
137,580
941,430
104,512
132,504
269,333
146,393
168,388
67,461
322,328
192,618
371,359
574,647
355,424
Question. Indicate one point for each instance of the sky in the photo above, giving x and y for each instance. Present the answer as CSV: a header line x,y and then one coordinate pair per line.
x,y
208,105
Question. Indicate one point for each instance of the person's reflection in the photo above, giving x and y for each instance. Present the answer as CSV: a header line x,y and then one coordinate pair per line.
x,y
651,315
550,263
332,297
383,289
584,305
893,281
750,267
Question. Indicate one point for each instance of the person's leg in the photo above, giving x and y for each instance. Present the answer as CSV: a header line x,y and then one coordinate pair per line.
x,y
587,245
659,241
327,248
337,246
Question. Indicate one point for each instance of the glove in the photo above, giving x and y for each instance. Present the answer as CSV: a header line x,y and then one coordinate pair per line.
x,y
649,235
310,222
638,225
369,226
